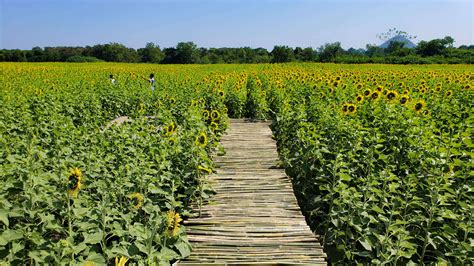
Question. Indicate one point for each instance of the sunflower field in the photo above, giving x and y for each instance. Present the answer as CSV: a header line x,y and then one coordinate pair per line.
x,y
380,157
76,189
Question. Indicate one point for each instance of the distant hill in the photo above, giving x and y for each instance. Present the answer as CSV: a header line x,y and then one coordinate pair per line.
x,y
398,38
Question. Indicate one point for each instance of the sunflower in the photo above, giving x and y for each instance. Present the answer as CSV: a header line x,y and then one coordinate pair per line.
x,y
121,262
170,129
449,93
172,222
351,108
344,107
359,98
205,114
379,89
201,140
165,131
367,92
172,100
214,126
215,115
375,95
74,182
392,95
221,93
404,99
172,141
194,103
137,200
419,105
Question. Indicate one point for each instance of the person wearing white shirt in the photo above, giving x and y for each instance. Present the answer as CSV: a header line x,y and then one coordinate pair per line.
x,y
112,80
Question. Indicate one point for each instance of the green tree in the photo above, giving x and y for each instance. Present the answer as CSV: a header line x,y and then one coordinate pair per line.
x,y
186,53
434,47
374,50
329,51
309,54
262,56
116,52
151,53
170,56
298,54
282,54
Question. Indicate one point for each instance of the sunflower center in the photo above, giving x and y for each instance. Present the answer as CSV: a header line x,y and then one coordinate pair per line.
x,y
418,106
73,182
136,201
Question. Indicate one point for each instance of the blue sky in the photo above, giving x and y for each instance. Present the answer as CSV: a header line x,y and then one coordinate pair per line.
x,y
229,23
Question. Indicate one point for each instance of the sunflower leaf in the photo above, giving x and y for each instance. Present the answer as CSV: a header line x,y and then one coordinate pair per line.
x,y
93,238
184,249
96,258
4,217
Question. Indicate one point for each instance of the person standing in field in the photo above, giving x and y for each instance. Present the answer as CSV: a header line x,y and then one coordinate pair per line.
x,y
112,80
152,81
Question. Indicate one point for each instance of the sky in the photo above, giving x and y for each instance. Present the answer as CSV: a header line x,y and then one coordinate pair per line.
x,y
229,23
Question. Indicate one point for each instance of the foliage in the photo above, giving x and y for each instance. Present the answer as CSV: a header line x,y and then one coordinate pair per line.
x,y
75,190
282,54
434,47
186,53
329,51
428,52
381,160
380,156
151,53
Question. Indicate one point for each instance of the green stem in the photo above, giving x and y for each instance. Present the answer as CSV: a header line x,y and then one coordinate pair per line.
x,y
104,226
331,204
425,241
69,218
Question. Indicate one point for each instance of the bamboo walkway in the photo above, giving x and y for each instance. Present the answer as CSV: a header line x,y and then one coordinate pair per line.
x,y
254,218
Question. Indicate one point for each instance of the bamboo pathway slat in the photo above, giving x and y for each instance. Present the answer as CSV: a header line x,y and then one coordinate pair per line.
x,y
254,217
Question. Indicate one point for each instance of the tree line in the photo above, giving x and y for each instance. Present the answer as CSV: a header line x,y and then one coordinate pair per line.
x,y
426,52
